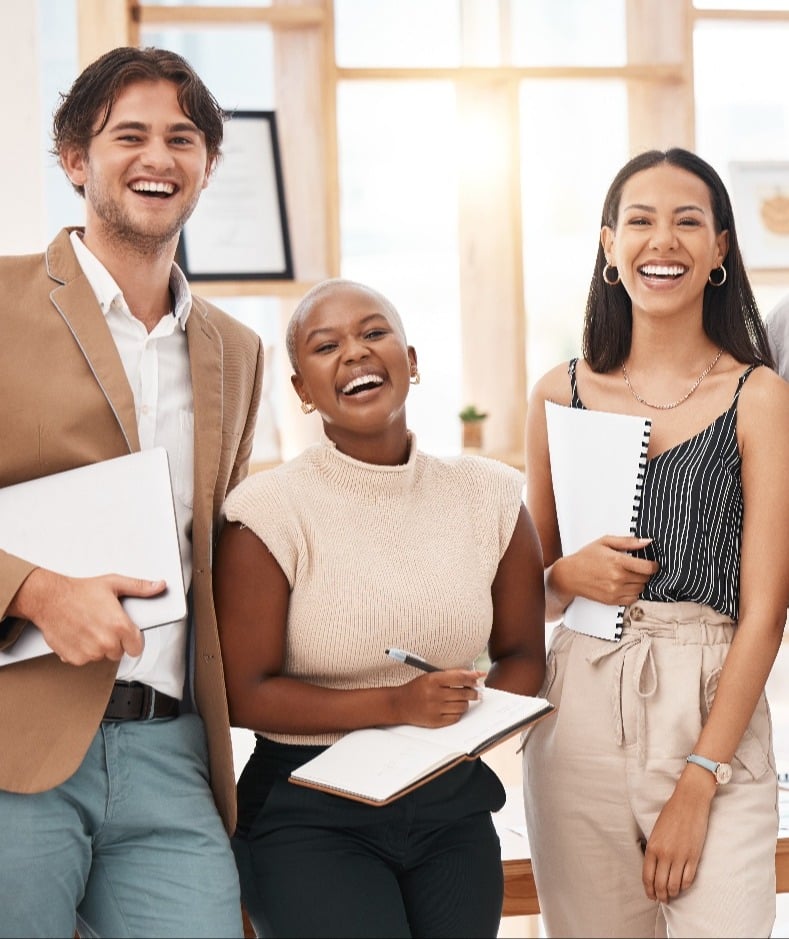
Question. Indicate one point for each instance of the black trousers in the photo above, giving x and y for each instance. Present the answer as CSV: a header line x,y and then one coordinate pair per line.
x,y
313,864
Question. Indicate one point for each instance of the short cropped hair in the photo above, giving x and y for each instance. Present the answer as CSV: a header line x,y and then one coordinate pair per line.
x,y
316,293
84,111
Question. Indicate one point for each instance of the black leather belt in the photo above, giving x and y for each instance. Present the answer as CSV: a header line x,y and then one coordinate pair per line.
x,y
133,701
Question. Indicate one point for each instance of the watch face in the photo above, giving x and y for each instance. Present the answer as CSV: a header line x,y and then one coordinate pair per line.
x,y
723,773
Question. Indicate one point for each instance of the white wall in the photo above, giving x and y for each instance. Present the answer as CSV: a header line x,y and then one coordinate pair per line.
x,y
21,168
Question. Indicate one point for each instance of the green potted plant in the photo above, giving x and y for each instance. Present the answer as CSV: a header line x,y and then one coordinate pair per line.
x,y
472,421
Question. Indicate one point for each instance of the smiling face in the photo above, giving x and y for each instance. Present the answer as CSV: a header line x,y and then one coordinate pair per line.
x,y
665,241
353,364
143,171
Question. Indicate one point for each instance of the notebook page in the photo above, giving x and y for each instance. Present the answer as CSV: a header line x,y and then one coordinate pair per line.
x,y
487,718
374,763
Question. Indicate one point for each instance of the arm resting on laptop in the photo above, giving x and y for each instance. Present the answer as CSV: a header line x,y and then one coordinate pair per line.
x,y
82,618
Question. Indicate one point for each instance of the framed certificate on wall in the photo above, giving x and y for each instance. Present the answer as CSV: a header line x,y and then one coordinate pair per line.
x,y
239,230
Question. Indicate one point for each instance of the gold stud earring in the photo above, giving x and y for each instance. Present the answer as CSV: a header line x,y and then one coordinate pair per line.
x,y
415,376
307,406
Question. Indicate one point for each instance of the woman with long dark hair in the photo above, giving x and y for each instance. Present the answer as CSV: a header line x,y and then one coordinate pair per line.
x,y
651,798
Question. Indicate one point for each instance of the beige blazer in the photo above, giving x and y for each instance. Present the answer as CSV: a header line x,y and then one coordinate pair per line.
x,y
64,402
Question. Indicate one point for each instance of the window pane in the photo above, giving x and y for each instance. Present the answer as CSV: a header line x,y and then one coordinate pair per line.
x,y
246,86
741,4
397,33
206,3
570,32
742,113
262,315
564,182
399,230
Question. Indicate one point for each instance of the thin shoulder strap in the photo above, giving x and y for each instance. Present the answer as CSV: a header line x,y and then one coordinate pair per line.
x,y
576,401
743,378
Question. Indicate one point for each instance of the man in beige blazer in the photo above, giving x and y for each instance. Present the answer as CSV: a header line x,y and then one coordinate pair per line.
x,y
117,790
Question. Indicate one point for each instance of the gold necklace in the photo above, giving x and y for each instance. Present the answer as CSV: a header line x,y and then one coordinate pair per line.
x,y
683,399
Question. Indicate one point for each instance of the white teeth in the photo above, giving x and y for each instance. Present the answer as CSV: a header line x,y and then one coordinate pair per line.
x,y
362,380
662,270
145,186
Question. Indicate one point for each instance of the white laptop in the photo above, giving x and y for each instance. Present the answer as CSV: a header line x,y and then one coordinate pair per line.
x,y
115,516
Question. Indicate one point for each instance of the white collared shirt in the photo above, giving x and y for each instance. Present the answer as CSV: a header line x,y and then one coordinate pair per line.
x,y
157,366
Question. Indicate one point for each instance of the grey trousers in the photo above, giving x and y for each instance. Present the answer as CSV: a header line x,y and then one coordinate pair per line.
x,y
598,772
130,846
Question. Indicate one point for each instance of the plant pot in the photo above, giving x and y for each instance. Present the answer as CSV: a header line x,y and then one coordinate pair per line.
x,y
472,435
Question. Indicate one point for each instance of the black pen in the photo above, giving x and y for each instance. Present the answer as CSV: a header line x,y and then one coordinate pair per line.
x,y
408,658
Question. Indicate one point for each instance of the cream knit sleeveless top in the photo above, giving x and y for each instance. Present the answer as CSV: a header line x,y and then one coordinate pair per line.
x,y
380,556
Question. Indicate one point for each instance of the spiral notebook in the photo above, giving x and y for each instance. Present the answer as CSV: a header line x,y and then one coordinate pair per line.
x,y
597,465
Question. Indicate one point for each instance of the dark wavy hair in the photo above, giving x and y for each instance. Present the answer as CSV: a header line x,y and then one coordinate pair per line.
x,y
731,317
84,111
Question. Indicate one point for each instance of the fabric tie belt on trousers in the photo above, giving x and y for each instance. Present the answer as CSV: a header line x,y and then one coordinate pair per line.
x,y
134,701
645,677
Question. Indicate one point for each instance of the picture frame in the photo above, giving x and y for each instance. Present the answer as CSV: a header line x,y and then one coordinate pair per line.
x,y
760,198
239,229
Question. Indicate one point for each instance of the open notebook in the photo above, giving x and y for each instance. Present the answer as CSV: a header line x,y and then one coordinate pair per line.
x,y
115,516
377,765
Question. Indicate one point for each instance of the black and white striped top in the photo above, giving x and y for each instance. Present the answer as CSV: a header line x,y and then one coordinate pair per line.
x,y
691,508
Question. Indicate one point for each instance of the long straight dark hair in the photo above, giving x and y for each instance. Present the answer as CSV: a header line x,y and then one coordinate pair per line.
x,y
730,317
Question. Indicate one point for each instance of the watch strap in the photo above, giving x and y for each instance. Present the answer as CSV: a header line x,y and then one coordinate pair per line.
x,y
721,771
711,765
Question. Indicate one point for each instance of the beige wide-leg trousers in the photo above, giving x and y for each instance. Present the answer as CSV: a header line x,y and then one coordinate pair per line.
x,y
599,770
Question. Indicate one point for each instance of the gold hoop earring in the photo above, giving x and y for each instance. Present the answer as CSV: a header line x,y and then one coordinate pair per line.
x,y
415,376
722,281
610,267
307,406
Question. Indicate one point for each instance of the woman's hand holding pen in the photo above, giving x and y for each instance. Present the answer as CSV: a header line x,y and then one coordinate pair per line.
x,y
605,570
437,699
440,697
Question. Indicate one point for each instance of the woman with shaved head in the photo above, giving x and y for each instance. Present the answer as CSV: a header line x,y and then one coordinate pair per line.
x,y
362,543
